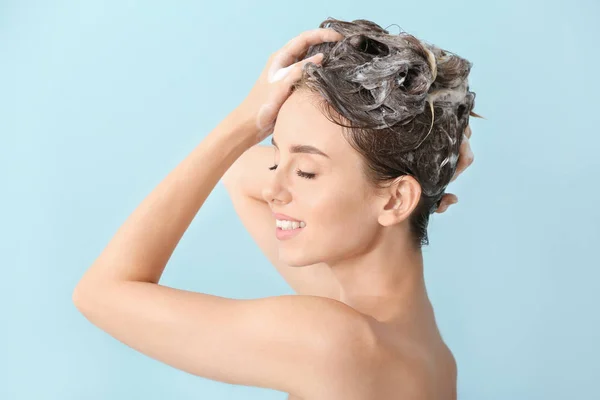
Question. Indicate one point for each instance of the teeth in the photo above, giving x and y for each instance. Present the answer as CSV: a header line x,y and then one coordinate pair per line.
x,y
289,225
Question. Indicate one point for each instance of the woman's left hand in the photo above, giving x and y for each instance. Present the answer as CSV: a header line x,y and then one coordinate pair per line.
x,y
273,87
465,159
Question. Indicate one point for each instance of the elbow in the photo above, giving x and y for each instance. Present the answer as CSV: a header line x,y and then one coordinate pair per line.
x,y
81,295
77,296
228,178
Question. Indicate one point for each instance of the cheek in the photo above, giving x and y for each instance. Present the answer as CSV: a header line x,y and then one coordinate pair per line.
x,y
339,224
338,211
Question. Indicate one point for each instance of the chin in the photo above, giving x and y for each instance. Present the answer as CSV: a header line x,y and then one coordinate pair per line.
x,y
294,260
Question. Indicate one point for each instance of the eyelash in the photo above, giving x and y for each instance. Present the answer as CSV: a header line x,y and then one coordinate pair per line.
x,y
302,174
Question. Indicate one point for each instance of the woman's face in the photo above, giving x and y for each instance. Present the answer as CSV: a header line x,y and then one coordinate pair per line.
x,y
331,197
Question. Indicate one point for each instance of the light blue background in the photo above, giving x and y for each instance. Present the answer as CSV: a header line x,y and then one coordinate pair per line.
x,y
99,100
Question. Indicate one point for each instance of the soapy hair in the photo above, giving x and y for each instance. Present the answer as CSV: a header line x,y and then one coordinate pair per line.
x,y
403,105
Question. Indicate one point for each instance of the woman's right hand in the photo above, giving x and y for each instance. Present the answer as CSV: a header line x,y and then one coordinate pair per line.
x,y
273,86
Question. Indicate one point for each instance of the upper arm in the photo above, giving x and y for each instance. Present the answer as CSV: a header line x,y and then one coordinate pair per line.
x,y
287,343
255,214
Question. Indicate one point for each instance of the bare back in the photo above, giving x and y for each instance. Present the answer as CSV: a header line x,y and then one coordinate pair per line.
x,y
406,367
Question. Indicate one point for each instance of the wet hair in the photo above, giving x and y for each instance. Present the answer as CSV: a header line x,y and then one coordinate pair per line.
x,y
403,105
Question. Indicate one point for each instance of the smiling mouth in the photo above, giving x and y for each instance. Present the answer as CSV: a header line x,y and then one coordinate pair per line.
x,y
289,225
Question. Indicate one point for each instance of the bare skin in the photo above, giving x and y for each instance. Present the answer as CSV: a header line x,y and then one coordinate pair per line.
x,y
362,341
410,359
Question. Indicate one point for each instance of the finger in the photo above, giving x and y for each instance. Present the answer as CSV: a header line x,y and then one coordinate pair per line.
x,y
289,76
293,72
277,74
450,198
441,208
298,46
296,71
465,157
447,200
468,131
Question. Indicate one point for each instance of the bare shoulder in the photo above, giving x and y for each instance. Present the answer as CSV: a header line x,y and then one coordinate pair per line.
x,y
394,365
399,366
416,368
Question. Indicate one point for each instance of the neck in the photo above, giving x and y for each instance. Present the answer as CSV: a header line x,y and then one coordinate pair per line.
x,y
386,282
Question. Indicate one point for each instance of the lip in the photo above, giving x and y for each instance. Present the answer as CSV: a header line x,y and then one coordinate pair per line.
x,y
287,234
285,217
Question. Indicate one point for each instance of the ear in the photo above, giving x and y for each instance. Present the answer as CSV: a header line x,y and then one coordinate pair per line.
x,y
403,197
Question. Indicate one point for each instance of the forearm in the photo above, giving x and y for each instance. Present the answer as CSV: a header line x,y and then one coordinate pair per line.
x,y
142,246
250,173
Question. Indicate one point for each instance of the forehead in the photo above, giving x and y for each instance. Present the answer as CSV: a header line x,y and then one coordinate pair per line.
x,y
301,121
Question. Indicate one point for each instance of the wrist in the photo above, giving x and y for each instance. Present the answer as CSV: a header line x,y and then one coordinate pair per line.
x,y
244,124
230,138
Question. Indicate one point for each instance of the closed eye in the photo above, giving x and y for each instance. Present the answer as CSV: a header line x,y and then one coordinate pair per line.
x,y
306,175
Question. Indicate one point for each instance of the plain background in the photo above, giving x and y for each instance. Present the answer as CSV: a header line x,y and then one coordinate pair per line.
x,y
99,100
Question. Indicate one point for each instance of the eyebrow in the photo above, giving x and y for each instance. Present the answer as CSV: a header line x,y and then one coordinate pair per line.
x,y
302,148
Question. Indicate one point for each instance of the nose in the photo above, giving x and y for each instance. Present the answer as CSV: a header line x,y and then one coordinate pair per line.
x,y
276,190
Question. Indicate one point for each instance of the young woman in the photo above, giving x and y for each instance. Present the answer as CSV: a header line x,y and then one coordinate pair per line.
x,y
366,136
